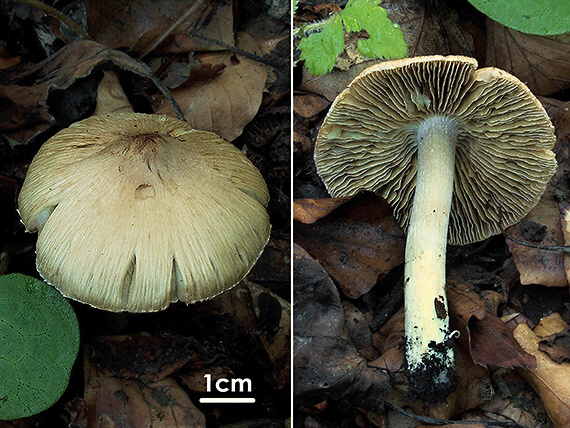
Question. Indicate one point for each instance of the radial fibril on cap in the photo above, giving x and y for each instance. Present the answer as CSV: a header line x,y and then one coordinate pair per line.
x,y
137,211
459,153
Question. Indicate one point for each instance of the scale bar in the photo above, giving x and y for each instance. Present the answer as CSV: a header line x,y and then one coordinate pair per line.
x,y
224,400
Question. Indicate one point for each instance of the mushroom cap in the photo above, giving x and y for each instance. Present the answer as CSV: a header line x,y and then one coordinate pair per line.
x,y
136,211
503,159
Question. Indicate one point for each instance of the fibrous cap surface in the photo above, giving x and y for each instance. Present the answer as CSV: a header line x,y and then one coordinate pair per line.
x,y
137,211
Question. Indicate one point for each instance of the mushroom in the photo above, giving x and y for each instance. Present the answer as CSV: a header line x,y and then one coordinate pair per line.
x,y
459,153
135,211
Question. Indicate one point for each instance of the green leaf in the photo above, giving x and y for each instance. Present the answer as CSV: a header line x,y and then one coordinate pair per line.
x,y
319,50
544,17
39,341
386,38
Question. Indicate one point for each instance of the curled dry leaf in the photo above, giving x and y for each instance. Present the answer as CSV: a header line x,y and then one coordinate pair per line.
x,y
229,100
326,363
24,112
488,339
135,25
116,402
492,343
557,345
540,227
389,337
542,62
309,211
465,305
357,244
309,105
550,379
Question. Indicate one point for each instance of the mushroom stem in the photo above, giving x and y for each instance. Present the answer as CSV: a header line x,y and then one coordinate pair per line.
x,y
429,352
110,96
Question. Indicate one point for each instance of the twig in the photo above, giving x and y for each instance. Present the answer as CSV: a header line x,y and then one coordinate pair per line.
x,y
172,27
560,248
437,421
272,62
141,69
58,15
164,90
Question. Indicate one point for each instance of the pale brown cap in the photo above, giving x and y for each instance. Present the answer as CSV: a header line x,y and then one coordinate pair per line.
x,y
136,211
503,159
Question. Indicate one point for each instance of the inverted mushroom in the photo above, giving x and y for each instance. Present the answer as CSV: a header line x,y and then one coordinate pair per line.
x,y
459,153
135,211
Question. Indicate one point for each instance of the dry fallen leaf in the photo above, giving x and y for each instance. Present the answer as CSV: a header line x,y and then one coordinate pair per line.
x,y
492,343
196,379
542,227
560,116
309,211
430,31
326,363
489,341
358,329
253,323
357,244
542,62
140,356
274,315
513,401
112,402
557,345
24,112
134,25
474,386
550,379
7,61
228,101
309,105
564,207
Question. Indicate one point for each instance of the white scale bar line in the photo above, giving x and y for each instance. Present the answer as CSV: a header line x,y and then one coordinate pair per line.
x,y
227,400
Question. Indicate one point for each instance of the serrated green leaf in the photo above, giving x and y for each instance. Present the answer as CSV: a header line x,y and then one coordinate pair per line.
x,y
320,50
386,38
39,341
545,17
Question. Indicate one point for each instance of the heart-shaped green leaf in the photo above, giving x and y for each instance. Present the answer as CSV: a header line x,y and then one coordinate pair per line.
x,y
39,341
545,17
